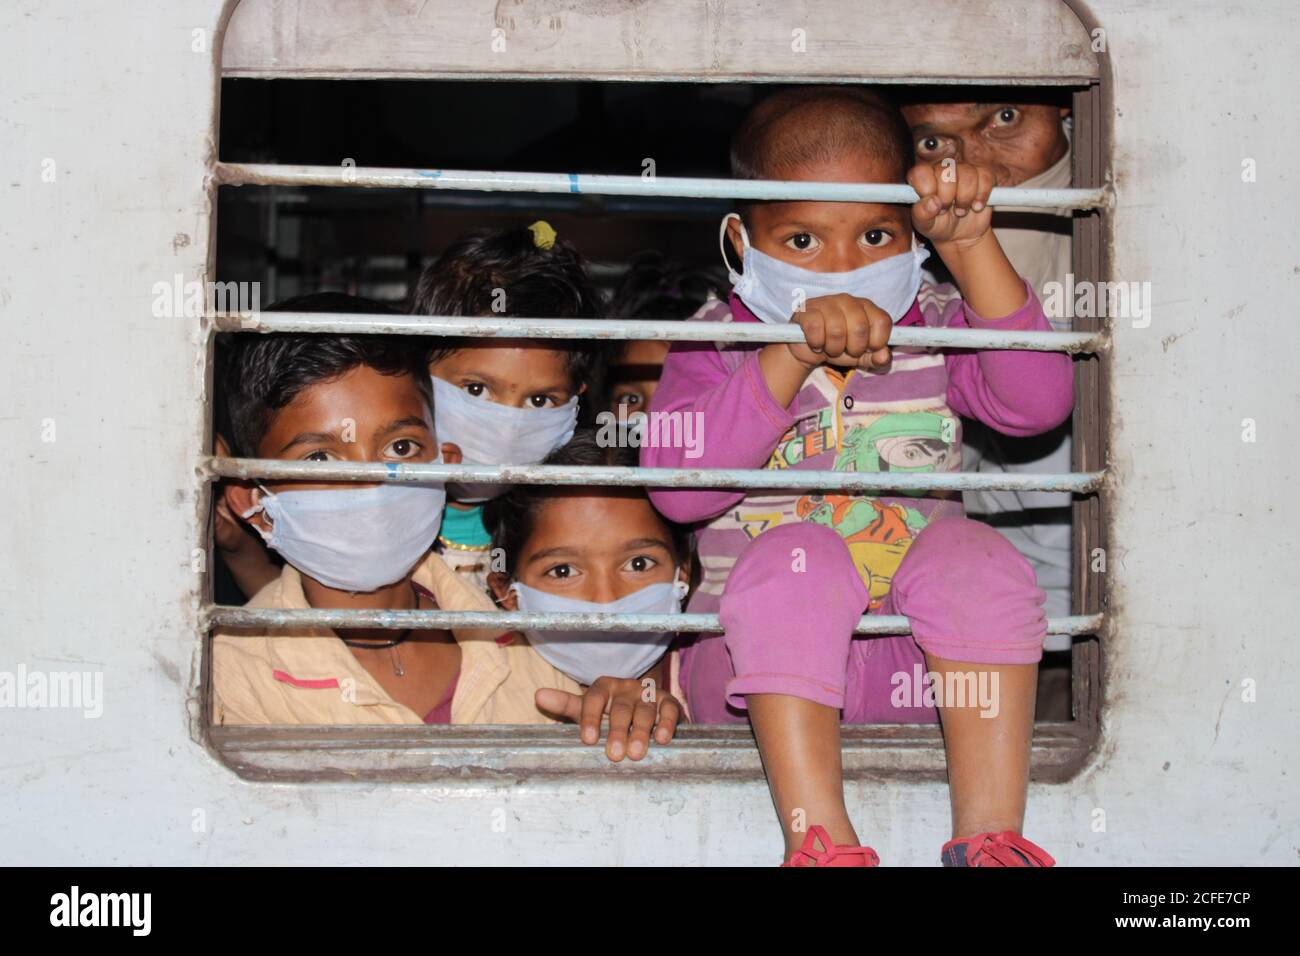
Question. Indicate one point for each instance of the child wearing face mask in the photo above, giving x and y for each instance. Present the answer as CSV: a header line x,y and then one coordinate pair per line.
x,y
790,574
589,550
504,401
345,545
243,565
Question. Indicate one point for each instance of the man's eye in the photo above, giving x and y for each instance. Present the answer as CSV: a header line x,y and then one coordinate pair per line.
x,y
876,237
560,571
1008,114
802,242
476,389
539,401
319,456
403,448
932,148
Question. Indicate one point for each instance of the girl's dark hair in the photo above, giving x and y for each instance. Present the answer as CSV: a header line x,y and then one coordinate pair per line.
x,y
656,288
261,374
507,273
512,517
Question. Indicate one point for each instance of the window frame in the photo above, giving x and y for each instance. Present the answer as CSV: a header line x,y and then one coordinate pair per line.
x,y
470,754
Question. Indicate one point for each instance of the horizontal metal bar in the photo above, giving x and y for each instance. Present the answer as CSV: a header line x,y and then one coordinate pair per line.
x,y
218,615
272,174
291,202
758,479
660,329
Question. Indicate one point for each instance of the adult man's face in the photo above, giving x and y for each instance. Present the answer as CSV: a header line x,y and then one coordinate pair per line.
x,y
1015,141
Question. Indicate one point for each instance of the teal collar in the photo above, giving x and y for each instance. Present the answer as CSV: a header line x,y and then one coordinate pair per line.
x,y
465,528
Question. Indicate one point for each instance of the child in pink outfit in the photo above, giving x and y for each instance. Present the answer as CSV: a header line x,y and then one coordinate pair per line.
x,y
791,573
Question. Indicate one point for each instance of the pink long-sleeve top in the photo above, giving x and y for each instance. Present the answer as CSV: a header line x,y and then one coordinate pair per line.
x,y
905,419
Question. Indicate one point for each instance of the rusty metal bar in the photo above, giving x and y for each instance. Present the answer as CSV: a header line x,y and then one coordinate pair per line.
x,y
218,615
909,484
287,174
662,330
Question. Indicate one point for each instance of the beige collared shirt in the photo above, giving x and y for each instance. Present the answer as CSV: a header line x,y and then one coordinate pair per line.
x,y
310,676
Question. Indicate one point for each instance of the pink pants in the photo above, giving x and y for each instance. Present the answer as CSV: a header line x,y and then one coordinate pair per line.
x,y
969,595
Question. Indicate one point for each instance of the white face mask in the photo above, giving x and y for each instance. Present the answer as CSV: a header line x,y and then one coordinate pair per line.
x,y
353,539
774,290
587,655
488,433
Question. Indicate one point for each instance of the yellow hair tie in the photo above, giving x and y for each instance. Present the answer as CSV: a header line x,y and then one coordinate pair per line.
x,y
543,234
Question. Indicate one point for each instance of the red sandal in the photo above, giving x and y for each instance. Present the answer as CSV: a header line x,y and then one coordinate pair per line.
x,y
830,854
994,849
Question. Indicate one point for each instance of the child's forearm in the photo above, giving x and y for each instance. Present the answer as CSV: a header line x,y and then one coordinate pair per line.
x,y
733,416
784,374
1011,391
984,275
734,419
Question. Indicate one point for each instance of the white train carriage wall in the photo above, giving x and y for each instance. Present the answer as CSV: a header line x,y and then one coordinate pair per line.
x,y
1178,746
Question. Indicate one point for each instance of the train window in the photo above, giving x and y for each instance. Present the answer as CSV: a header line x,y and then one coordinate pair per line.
x,y
355,143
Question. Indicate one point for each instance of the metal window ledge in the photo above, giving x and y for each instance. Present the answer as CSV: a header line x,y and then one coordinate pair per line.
x,y
500,755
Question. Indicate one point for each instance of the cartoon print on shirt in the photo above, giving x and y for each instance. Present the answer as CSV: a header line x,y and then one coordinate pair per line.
x,y
861,519
877,534
755,523
807,439
904,441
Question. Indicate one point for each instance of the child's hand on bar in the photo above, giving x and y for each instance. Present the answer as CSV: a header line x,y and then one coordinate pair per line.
x,y
953,204
843,330
632,717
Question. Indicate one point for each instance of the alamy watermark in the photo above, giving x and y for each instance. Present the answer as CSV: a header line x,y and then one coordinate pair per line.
x,y
683,430
923,688
1098,300
178,298
67,690
75,908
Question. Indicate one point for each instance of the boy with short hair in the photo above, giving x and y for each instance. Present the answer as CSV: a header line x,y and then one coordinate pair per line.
x,y
789,573
302,397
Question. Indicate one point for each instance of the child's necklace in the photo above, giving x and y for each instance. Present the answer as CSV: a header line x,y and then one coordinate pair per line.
x,y
391,644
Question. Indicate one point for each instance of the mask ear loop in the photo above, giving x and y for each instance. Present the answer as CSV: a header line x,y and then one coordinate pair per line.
x,y
920,252
732,275
260,506
500,602
681,587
